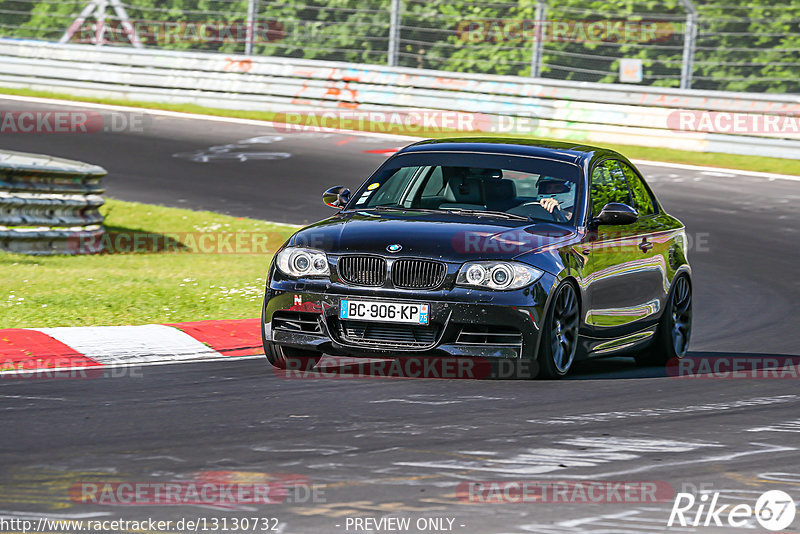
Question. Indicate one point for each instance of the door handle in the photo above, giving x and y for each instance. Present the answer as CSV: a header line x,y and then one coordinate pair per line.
x,y
645,245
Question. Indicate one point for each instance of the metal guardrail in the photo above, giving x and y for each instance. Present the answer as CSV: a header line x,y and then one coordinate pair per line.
x,y
701,44
582,112
49,205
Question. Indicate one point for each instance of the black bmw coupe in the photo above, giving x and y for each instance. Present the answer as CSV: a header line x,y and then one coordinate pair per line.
x,y
499,249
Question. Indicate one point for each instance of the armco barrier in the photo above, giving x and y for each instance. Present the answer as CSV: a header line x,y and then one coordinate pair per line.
x,y
48,205
582,112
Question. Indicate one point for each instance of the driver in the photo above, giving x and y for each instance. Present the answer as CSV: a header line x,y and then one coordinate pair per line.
x,y
551,186
549,204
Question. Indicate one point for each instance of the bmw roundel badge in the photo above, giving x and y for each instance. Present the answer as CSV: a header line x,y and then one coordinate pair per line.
x,y
396,247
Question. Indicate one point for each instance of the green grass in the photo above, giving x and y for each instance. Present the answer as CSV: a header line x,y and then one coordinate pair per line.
x,y
141,287
731,161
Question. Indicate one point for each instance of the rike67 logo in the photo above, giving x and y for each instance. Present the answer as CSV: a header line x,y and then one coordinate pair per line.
x,y
774,510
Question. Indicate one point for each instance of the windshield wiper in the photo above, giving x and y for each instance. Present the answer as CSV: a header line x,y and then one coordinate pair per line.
x,y
403,208
491,213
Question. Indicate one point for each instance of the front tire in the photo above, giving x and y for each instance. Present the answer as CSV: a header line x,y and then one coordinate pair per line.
x,y
282,357
290,358
559,337
674,328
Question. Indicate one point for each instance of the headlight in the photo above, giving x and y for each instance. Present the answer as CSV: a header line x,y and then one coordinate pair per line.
x,y
302,262
496,275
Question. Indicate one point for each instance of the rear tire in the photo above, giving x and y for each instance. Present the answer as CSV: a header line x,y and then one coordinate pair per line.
x,y
559,337
290,358
674,328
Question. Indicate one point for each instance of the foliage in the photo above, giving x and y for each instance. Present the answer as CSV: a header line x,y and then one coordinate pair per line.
x,y
752,47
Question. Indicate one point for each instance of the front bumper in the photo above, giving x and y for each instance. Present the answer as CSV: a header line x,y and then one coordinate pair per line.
x,y
463,322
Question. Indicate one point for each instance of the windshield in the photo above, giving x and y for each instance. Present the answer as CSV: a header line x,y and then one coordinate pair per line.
x,y
495,187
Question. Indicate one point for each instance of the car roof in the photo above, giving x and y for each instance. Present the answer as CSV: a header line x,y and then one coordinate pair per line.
x,y
555,150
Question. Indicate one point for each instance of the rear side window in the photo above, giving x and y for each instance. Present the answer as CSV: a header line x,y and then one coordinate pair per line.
x,y
642,200
608,185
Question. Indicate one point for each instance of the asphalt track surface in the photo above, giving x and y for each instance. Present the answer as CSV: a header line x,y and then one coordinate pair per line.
x,y
399,447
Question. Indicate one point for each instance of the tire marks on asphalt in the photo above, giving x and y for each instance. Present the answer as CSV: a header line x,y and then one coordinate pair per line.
x,y
577,452
602,417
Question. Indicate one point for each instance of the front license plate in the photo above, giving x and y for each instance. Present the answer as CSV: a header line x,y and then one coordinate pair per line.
x,y
387,312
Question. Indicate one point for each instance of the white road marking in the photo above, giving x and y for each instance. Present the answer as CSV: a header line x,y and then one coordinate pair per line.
x,y
410,401
579,522
715,173
190,116
240,150
791,478
788,426
26,397
146,458
324,451
733,172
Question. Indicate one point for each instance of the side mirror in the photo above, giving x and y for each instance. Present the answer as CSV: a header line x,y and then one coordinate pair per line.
x,y
616,213
336,197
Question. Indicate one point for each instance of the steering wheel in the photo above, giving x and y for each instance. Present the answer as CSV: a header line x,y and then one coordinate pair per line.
x,y
535,210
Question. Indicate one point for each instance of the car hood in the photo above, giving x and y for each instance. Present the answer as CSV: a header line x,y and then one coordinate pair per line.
x,y
442,236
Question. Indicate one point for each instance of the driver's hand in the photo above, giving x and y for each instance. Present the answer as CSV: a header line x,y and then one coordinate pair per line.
x,y
549,204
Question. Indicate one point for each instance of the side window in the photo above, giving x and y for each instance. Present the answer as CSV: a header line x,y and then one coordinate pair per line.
x,y
642,200
608,185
